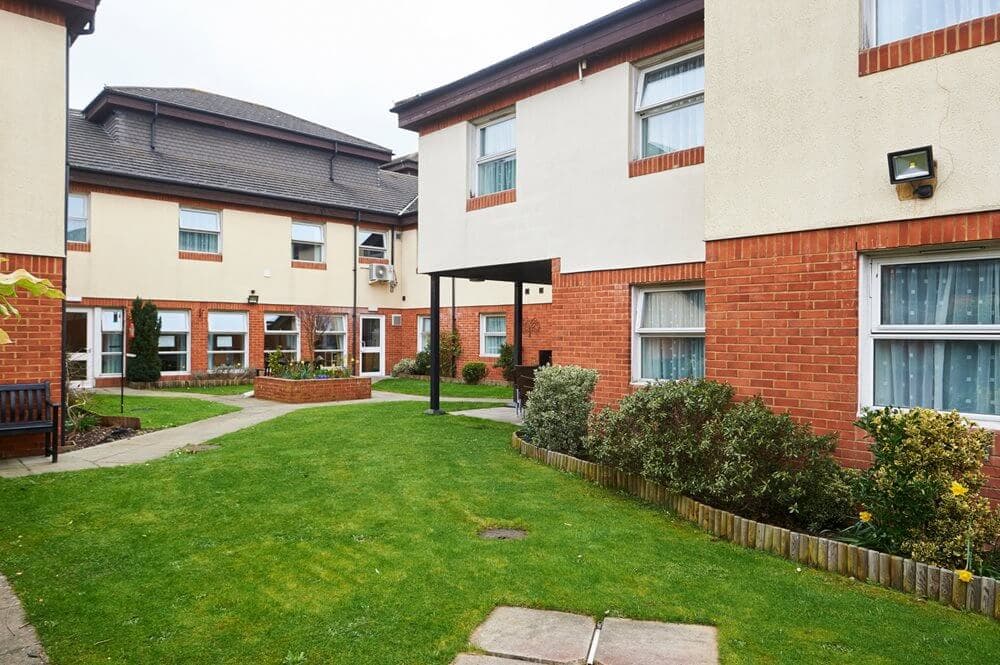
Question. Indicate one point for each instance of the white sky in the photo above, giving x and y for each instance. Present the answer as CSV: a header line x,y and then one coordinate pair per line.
x,y
341,64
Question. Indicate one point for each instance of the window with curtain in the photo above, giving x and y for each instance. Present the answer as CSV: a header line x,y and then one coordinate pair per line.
x,y
372,244
330,339
423,333
77,218
227,340
492,334
669,334
112,330
934,337
670,105
173,342
308,242
200,231
496,156
281,335
898,19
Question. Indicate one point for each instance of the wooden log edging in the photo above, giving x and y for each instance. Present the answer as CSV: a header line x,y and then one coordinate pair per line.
x,y
980,595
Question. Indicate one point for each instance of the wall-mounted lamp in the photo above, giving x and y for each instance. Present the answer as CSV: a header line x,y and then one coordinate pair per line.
x,y
914,167
253,298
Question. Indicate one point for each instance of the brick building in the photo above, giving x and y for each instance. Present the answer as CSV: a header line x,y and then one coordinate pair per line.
x,y
813,218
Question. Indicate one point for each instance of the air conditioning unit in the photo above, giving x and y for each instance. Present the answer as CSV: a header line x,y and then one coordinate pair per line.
x,y
381,272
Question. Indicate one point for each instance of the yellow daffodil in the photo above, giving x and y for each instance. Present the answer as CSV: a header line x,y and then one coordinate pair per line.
x,y
958,489
964,575
865,516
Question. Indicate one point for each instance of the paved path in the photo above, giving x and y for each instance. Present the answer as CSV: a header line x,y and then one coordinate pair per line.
x,y
501,414
19,643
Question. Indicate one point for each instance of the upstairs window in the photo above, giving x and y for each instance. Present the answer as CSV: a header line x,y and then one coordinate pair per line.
x,y
496,156
77,218
891,20
668,341
670,105
373,245
200,231
308,242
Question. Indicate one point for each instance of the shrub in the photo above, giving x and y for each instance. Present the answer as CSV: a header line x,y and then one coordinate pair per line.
x,y
658,431
422,363
921,491
451,350
770,468
405,367
145,366
556,417
505,362
474,372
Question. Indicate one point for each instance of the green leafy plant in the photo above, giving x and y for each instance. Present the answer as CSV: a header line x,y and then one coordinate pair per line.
x,y
422,363
920,496
560,404
451,351
18,284
145,365
474,372
505,362
405,367
302,370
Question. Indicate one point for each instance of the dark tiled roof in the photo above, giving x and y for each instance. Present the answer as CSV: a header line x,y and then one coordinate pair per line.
x,y
237,108
203,156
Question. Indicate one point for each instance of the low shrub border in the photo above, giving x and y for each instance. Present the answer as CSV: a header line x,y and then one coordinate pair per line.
x,y
187,383
305,391
979,594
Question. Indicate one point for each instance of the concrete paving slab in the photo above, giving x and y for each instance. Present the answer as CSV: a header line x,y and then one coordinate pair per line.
x,y
474,659
501,414
19,643
628,642
539,636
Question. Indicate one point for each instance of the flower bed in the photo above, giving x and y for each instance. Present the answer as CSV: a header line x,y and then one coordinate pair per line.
x,y
306,391
960,589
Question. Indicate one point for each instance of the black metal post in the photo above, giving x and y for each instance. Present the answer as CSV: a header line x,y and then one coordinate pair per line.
x,y
435,405
518,322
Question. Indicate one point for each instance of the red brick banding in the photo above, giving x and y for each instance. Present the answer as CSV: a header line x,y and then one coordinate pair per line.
x,y
672,160
934,44
199,256
367,261
308,391
490,200
308,265
77,246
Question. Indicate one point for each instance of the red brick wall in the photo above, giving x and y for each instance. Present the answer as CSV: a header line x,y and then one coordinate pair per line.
x,y
312,390
782,317
36,352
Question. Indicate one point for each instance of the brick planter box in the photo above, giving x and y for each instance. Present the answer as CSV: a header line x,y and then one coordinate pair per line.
x,y
307,391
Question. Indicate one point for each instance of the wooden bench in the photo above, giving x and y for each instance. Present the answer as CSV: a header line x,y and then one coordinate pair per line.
x,y
27,408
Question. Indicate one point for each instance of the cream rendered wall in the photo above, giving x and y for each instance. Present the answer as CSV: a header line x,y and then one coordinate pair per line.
x,y
795,139
575,200
32,135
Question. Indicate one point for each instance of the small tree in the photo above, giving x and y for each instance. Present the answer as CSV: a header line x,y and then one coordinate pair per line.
x,y
145,366
29,285
505,362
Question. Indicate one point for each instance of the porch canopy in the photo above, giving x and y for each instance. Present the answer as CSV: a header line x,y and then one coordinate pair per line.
x,y
528,272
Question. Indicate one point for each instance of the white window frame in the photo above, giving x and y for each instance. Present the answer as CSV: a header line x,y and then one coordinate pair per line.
x,y
281,333
187,333
86,217
420,333
477,160
343,334
870,305
639,294
321,244
483,334
869,26
218,216
362,248
650,110
245,333
99,351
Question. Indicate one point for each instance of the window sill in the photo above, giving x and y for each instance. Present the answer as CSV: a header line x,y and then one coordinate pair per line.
x,y
989,423
73,246
929,45
490,200
199,256
667,162
309,265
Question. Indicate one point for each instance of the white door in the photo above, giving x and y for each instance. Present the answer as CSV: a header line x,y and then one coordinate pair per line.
x,y
79,345
372,331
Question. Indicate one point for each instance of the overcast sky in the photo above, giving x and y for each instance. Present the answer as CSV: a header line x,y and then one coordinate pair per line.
x,y
341,64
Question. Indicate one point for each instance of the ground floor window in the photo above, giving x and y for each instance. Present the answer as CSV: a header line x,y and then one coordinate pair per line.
x,y
227,340
281,335
492,334
173,343
931,333
423,333
330,339
112,335
668,340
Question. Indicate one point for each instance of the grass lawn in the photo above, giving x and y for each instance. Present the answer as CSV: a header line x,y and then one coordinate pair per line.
x,y
159,412
420,387
238,389
349,534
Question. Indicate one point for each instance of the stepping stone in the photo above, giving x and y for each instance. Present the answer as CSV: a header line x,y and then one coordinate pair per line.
x,y
539,636
468,659
628,642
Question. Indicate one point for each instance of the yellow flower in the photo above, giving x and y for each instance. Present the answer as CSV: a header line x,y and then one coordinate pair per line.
x,y
865,516
958,489
964,575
